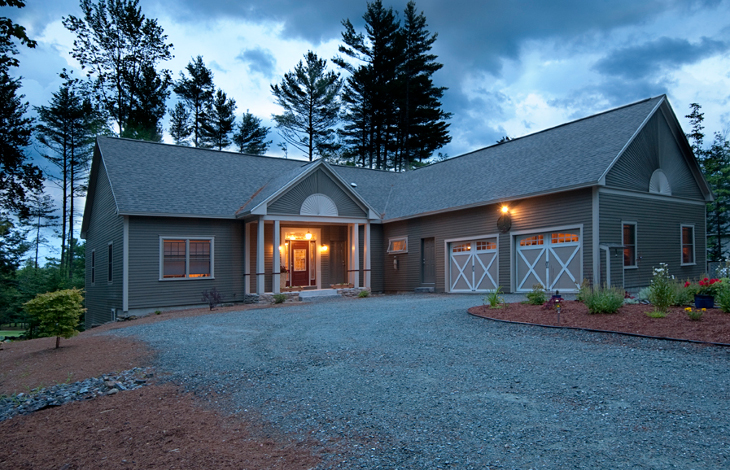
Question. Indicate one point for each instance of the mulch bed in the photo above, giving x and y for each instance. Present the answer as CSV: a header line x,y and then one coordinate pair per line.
x,y
714,326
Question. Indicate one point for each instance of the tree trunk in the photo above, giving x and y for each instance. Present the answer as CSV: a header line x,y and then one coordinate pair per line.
x,y
58,342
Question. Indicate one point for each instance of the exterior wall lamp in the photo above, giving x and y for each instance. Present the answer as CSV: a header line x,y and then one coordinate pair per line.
x,y
504,223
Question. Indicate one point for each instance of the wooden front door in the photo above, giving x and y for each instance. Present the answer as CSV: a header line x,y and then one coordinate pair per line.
x,y
428,261
338,274
299,262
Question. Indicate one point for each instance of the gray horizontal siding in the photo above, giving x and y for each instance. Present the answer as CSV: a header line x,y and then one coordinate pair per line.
x,y
146,290
105,226
654,148
657,233
318,182
570,208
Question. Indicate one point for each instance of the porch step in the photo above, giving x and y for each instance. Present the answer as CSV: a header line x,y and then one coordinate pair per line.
x,y
314,295
424,290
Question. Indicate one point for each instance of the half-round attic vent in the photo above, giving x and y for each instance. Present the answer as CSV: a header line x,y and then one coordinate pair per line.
x,y
659,183
319,204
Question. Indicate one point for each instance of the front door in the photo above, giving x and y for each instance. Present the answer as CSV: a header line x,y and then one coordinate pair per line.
x,y
428,261
337,263
299,263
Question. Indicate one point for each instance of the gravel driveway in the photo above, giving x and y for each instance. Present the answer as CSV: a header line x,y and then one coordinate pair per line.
x,y
415,382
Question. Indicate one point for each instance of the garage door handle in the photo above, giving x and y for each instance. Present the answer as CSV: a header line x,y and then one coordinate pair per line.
x,y
547,264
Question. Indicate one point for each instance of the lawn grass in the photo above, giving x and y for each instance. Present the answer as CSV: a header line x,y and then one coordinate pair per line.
x,y
11,332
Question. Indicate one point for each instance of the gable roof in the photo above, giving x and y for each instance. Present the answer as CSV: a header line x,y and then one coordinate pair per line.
x,y
161,179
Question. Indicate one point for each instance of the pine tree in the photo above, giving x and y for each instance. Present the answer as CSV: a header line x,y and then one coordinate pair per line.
x,y
68,128
196,91
180,128
716,167
309,97
120,49
219,125
250,137
41,215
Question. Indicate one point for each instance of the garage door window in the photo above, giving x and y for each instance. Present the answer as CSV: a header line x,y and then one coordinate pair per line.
x,y
532,241
564,238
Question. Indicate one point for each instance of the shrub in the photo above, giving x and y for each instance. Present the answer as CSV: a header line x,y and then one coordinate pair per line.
x,y
682,295
643,294
493,298
656,314
57,313
363,293
583,290
661,293
212,297
537,296
279,298
694,314
605,300
723,300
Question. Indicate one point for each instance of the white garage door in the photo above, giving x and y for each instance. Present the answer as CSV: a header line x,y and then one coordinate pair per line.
x,y
473,265
552,259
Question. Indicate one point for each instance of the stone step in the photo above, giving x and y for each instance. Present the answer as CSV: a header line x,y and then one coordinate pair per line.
x,y
310,295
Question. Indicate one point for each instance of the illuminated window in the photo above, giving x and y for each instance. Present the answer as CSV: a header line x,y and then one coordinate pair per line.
x,y
461,248
564,238
398,245
485,245
688,244
186,258
629,242
532,241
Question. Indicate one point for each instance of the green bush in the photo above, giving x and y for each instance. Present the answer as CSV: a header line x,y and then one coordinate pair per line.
x,y
606,300
662,290
493,298
363,293
682,295
583,290
279,298
57,313
537,296
723,300
643,294
694,314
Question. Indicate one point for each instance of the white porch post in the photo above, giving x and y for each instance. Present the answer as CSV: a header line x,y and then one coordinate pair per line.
x,y
355,255
366,256
260,270
276,268
247,258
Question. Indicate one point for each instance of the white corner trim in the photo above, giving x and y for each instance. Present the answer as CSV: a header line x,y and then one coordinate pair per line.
x,y
125,266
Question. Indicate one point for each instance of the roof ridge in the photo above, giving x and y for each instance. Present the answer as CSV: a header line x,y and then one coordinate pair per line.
x,y
611,110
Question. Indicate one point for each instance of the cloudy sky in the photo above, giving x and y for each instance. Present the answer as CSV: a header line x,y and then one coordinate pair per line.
x,y
511,67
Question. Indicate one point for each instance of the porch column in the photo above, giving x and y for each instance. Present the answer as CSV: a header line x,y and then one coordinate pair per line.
x,y
247,258
276,268
366,255
260,270
355,250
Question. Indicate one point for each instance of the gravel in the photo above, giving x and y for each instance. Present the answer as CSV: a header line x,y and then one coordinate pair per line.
x,y
413,381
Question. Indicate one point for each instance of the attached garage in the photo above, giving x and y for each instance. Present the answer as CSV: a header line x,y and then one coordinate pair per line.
x,y
553,259
473,265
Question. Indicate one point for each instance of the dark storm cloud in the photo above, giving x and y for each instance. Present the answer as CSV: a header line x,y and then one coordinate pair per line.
x,y
646,59
258,60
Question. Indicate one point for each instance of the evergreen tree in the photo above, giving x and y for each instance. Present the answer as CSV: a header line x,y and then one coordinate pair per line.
x,y
250,137
68,127
696,136
120,49
219,125
309,97
180,128
196,91
42,215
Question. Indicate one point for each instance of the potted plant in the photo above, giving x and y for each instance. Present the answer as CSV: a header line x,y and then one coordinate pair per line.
x,y
705,291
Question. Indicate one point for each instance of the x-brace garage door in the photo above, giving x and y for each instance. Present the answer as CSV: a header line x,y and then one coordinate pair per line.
x,y
551,259
473,266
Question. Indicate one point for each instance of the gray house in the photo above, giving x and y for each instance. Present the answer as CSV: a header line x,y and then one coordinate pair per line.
x,y
604,198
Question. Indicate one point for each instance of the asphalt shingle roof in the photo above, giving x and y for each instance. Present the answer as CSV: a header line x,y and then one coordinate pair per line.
x,y
157,178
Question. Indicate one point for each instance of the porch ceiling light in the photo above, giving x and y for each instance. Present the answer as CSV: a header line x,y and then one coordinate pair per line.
x,y
308,236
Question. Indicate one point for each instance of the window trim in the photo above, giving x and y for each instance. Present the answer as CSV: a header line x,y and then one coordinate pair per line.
x,y
110,263
635,244
681,245
93,267
397,239
187,239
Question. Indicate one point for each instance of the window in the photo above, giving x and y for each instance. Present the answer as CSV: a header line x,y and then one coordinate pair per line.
x,y
186,258
398,245
93,266
532,241
558,238
629,242
461,248
485,245
111,261
688,244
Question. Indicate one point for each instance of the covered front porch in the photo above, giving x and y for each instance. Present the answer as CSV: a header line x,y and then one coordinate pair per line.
x,y
289,254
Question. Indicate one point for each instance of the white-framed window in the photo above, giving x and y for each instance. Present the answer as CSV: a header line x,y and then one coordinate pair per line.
x,y
93,267
110,263
629,242
186,258
398,245
688,244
